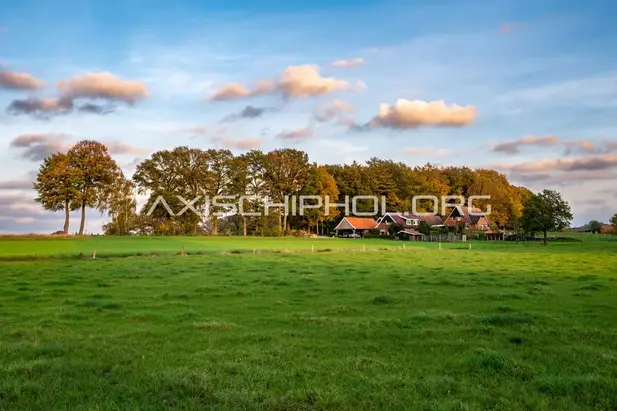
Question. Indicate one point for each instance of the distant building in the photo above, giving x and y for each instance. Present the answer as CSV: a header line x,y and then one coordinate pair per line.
x,y
409,222
354,226
474,222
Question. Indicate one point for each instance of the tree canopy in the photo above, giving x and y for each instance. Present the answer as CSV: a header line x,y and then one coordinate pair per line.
x,y
185,178
57,186
544,212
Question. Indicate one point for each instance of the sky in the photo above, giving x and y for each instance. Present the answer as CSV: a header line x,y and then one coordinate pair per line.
x,y
528,88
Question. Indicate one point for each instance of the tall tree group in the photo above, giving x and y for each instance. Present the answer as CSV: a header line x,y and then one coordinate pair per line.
x,y
84,177
185,178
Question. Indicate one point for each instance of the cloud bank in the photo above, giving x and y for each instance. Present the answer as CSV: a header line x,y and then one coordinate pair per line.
x,y
293,82
19,81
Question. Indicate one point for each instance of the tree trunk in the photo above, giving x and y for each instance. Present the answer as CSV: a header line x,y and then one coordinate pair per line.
x,y
195,228
66,217
545,237
83,218
244,226
215,226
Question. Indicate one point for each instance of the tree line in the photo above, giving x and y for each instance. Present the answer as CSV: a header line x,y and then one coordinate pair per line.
x,y
87,177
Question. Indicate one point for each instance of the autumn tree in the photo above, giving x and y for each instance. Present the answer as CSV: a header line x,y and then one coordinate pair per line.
x,y
256,187
320,183
218,179
239,181
544,212
121,207
378,180
56,184
286,172
96,171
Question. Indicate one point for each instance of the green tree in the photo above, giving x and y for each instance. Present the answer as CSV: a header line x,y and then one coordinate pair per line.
x,y
394,228
595,226
96,171
218,179
169,174
613,222
544,212
56,185
120,205
256,189
239,181
286,173
424,228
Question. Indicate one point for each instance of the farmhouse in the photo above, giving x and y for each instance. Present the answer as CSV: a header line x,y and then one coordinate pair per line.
x,y
474,222
409,222
353,226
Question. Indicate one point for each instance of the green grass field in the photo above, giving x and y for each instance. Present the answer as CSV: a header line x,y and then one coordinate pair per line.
x,y
45,247
23,247
502,326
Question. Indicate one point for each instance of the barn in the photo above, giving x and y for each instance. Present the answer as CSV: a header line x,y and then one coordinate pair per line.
x,y
354,226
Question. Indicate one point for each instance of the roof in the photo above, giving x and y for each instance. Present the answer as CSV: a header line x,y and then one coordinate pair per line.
x,y
464,211
360,223
401,218
432,219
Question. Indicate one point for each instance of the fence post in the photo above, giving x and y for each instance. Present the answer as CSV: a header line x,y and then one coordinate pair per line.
x,y
93,254
470,246
440,245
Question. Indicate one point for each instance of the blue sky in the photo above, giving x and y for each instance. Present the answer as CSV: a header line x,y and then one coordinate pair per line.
x,y
530,70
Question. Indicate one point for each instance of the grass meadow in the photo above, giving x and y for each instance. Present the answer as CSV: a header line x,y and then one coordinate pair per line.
x,y
501,326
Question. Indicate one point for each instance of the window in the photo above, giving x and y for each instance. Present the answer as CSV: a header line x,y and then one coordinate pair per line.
x,y
480,226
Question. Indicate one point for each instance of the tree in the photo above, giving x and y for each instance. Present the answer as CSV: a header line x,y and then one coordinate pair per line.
x,y
595,226
56,184
218,178
424,228
119,203
544,212
239,181
96,171
320,183
256,188
394,228
286,172
167,174
613,222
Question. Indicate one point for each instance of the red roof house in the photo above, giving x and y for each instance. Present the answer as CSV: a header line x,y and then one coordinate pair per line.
x,y
354,225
